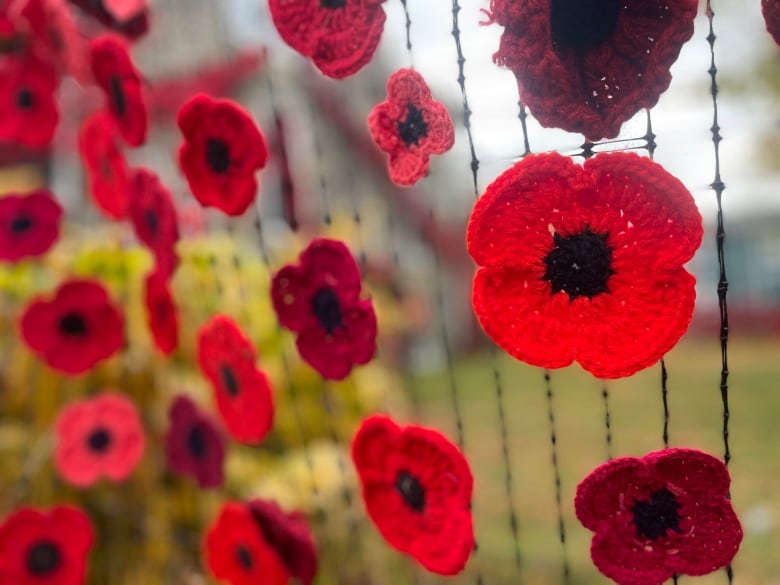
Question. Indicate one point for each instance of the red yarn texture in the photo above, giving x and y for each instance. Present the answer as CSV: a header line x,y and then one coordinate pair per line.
x,y
161,312
589,69
29,225
417,487
667,513
410,126
28,101
105,165
585,263
771,11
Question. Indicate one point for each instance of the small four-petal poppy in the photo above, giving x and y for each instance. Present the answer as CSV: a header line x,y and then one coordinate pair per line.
x,y
161,312
29,224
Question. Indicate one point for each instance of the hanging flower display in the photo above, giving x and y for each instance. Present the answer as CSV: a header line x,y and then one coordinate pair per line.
x,y
227,358
417,487
339,36
161,312
75,329
585,263
29,225
589,66
45,547
319,299
410,126
223,149
130,18
665,514
28,104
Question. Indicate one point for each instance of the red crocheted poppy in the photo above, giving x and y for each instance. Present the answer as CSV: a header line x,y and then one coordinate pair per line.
x,y
194,444
98,437
410,126
105,165
45,547
417,489
75,329
28,104
589,66
585,263
54,36
339,36
223,149
319,299
227,358
117,76
29,225
130,18
771,11
161,312
665,514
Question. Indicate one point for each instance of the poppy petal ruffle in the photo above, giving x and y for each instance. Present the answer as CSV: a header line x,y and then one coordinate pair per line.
x,y
29,225
161,312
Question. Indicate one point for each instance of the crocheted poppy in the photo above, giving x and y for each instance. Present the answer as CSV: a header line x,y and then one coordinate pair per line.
x,y
339,36
104,163
28,101
410,126
319,299
588,66
29,225
585,263
130,18
154,218
117,76
45,547
75,329
161,312
98,437
771,11
223,149
194,445
665,514
227,358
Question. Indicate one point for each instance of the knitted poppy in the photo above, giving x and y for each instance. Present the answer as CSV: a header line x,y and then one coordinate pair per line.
x,y
117,76
98,437
665,514
45,547
588,66
161,312
28,101
130,18
75,329
417,489
339,36
227,358
585,263
29,225
105,165
54,36
410,126
771,11
319,299
194,445
223,149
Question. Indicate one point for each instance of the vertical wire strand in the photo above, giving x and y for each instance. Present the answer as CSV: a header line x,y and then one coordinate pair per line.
x,y
607,421
408,33
665,400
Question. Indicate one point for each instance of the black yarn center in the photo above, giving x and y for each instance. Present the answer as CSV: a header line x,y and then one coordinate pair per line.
x,y
21,224
43,558
196,442
73,324
582,24
218,155
229,380
579,265
657,516
25,98
151,221
244,557
99,440
327,308
411,490
414,127
118,95
333,4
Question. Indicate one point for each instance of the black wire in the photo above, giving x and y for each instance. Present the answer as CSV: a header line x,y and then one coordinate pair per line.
x,y
665,400
607,421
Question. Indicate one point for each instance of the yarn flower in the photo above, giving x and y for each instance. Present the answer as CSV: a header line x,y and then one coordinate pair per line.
x,y
665,514
29,225
770,9
75,329
410,126
589,66
417,488
130,18
339,36
45,547
28,101
227,358
161,312
223,149
585,263
53,35
319,299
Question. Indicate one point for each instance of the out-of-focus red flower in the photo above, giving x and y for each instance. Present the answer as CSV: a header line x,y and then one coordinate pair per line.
x,y
161,312
29,225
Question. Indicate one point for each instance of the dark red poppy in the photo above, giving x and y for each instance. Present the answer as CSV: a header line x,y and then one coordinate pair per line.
x,y
29,225
665,514
105,165
771,11
99,437
194,445
589,66
339,36
130,18
45,547
76,328
585,263
223,149
417,488
410,126
227,358
161,312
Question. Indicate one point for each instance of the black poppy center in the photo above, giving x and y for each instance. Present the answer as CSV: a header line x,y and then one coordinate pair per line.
x,y
118,95
151,221
25,98
229,380
99,440
21,223
196,442
413,127
579,265
655,517
411,491
73,324
582,24
327,308
333,4
218,155
244,557
43,558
